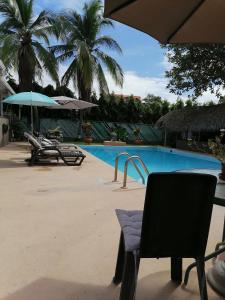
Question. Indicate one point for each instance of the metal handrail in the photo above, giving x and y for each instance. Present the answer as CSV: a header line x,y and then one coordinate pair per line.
x,y
134,164
117,162
132,158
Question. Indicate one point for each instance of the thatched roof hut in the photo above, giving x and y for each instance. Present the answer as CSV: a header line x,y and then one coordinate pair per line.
x,y
195,119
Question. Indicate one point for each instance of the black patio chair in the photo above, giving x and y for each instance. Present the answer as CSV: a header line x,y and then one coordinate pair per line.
x,y
175,223
71,157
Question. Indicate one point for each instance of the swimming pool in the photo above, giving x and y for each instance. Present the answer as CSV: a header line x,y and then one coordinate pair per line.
x,y
157,159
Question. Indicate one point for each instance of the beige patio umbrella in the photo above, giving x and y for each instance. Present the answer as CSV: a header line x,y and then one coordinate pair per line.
x,y
71,103
172,21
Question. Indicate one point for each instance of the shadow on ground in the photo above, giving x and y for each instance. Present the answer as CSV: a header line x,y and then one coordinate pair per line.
x,y
153,287
10,164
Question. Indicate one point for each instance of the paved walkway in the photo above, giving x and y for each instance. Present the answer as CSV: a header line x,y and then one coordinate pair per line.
x,y
59,234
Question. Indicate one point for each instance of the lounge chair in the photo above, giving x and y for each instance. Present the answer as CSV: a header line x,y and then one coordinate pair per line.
x,y
175,223
71,157
46,142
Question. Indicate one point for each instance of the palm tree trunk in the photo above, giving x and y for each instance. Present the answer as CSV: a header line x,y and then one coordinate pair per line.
x,y
25,72
26,76
84,92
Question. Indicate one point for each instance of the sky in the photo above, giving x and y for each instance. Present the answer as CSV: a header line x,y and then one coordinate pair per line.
x,y
143,60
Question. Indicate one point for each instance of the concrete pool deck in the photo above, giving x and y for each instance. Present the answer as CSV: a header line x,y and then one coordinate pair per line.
x,y
59,233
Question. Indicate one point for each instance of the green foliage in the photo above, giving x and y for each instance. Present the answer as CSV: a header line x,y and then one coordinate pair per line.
x,y
21,41
55,133
48,90
121,133
137,132
87,128
83,42
196,68
217,147
155,107
179,104
18,128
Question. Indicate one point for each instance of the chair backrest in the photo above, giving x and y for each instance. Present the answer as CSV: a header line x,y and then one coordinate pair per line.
x,y
44,141
32,140
177,214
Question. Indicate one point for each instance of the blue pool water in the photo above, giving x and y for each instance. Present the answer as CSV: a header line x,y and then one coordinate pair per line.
x,y
157,159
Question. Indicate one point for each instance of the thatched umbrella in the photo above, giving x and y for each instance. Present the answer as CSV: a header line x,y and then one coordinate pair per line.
x,y
196,119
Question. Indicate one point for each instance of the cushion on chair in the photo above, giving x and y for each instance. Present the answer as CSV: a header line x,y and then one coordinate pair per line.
x,y
73,153
130,222
50,152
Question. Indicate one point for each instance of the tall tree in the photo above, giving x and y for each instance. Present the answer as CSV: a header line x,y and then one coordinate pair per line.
x,y
83,44
196,68
155,107
21,41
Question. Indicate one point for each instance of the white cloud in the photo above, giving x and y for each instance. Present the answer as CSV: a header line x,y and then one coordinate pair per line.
x,y
141,86
165,63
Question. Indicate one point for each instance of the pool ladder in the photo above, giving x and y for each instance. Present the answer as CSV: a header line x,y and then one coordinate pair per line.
x,y
133,160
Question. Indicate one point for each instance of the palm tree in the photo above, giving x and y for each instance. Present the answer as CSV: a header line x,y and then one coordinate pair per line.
x,y
21,41
82,44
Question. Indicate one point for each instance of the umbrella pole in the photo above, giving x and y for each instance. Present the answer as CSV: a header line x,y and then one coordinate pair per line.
x,y
81,122
19,112
32,121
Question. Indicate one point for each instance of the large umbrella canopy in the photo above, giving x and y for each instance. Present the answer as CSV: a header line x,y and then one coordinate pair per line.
x,y
71,103
172,21
31,99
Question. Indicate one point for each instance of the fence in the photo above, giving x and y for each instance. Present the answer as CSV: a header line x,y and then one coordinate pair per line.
x,y
102,130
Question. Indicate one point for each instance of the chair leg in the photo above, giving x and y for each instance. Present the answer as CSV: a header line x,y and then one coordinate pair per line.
x,y
80,161
34,155
176,269
120,262
130,274
201,278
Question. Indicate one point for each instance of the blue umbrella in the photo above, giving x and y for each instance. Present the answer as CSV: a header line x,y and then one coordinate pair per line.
x,y
31,99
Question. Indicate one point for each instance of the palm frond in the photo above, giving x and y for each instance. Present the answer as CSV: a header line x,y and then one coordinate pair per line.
x,y
25,10
41,18
104,22
112,66
10,11
5,27
57,49
71,73
48,60
102,82
41,35
108,42
9,57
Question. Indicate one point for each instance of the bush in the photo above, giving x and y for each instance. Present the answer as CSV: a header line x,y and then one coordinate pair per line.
x,y
87,128
121,133
18,129
5,128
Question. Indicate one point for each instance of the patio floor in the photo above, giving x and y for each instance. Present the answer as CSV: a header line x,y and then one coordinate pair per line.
x,y
59,233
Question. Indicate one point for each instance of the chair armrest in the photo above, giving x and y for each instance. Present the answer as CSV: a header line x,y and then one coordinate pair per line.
x,y
49,147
